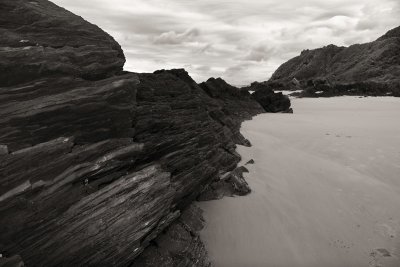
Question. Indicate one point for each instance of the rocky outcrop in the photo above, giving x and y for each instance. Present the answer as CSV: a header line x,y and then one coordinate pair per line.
x,y
230,102
273,102
193,135
264,94
361,69
228,185
180,245
13,261
99,166
55,41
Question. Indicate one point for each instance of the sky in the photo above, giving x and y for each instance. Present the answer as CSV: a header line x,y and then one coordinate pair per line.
x,y
239,40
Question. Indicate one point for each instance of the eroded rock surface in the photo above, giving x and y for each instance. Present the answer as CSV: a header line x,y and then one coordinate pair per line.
x,y
13,261
263,93
180,245
55,41
230,106
229,184
271,101
98,166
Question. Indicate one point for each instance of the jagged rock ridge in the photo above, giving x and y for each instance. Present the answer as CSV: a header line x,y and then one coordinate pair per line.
x,y
361,69
96,164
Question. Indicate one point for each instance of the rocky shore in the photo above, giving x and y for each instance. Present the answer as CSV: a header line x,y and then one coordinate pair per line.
x,y
369,69
98,166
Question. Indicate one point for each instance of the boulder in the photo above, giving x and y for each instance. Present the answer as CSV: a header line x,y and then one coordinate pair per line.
x,y
271,101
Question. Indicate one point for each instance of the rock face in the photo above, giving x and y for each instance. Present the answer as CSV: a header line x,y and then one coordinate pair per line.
x,y
13,261
273,102
229,184
229,103
56,43
98,166
270,101
193,135
361,69
180,245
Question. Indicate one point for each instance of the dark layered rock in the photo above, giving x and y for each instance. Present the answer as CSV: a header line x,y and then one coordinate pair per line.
x,y
180,245
361,69
47,108
268,99
250,162
98,166
94,173
55,41
273,102
323,88
230,106
175,120
13,261
229,184
193,136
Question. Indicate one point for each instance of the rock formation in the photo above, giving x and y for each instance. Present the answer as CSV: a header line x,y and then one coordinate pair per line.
x,y
56,43
229,184
235,103
97,165
361,69
264,94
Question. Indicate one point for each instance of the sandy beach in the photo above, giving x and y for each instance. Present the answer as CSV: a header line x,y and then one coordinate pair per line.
x,y
326,189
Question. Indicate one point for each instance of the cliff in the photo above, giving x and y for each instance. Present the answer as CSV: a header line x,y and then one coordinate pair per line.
x,y
361,69
97,165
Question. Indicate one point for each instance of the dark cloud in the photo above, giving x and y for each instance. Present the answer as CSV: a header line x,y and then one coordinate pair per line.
x,y
240,40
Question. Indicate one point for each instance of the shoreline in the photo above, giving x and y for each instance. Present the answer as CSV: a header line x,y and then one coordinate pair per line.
x,y
346,217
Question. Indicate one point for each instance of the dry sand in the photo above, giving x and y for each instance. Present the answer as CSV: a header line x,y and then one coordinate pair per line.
x,y
326,189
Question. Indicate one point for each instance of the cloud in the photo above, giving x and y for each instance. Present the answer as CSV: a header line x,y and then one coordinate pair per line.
x,y
235,70
239,40
173,38
204,49
259,53
203,68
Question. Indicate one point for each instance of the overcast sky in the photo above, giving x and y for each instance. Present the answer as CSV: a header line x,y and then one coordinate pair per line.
x,y
238,40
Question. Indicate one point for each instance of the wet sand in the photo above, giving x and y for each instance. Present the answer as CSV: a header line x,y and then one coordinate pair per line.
x,y
326,189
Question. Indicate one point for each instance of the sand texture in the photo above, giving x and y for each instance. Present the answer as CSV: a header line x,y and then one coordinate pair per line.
x,y
326,189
